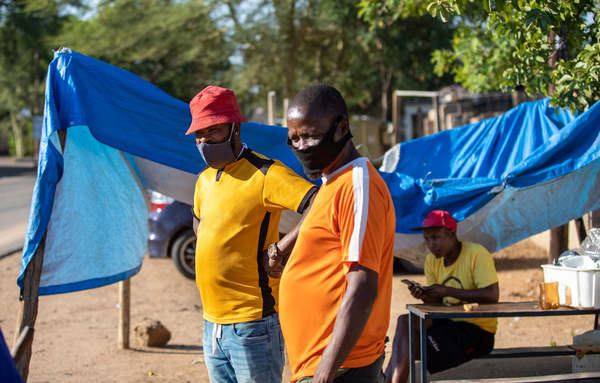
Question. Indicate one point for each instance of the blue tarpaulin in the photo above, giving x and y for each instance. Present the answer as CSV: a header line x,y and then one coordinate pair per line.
x,y
505,178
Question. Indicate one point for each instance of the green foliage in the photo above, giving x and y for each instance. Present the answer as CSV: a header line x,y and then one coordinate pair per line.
x,y
504,43
24,55
252,47
286,45
173,44
472,51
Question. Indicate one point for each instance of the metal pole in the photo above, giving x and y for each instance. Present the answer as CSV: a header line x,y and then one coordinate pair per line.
x,y
423,328
412,350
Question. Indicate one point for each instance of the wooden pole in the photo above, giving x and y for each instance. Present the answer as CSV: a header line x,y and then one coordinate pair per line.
x,y
559,241
28,309
436,106
395,117
580,228
595,218
124,306
271,107
286,105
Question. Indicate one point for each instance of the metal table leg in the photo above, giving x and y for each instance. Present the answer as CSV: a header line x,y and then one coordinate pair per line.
x,y
423,329
412,349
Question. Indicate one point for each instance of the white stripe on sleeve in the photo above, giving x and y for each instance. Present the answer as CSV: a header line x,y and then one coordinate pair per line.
x,y
360,183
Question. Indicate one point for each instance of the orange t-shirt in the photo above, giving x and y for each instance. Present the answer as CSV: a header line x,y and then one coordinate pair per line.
x,y
352,220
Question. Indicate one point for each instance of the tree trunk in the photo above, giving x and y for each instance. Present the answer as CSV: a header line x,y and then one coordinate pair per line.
x,y
559,236
17,130
36,106
386,80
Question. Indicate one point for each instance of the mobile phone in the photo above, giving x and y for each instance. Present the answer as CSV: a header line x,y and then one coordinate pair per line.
x,y
409,282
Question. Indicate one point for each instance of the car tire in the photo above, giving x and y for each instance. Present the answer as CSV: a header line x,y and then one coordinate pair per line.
x,y
409,267
183,253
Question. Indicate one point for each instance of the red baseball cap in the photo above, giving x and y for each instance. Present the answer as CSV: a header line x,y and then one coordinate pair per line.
x,y
214,105
438,218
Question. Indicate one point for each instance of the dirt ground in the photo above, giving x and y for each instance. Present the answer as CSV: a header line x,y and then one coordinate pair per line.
x,y
76,333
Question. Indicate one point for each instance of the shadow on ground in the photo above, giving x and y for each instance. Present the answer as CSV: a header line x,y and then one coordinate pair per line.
x,y
170,349
16,170
508,264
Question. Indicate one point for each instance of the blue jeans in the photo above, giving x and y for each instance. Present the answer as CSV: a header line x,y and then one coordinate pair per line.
x,y
244,352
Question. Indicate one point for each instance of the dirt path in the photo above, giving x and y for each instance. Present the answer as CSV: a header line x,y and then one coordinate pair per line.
x,y
76,333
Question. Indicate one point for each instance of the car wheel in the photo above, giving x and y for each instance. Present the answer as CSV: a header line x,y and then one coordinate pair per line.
x,y
408,266
183,253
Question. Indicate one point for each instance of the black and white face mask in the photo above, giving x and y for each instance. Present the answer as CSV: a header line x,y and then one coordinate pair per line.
x,y
317,157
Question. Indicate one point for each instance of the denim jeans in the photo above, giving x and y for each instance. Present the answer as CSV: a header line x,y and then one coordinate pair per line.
x,y
244,352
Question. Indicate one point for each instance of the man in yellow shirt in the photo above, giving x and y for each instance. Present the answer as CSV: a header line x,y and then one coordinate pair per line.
x,y
237,205
456,271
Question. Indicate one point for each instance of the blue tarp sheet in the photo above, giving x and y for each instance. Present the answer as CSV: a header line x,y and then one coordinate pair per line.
x,y
505,178
455,169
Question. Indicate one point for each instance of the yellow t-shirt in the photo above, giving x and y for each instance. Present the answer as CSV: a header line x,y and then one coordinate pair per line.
x,y
238,209
473,269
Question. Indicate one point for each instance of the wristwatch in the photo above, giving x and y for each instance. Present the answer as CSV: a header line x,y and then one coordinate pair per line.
x,y
273,251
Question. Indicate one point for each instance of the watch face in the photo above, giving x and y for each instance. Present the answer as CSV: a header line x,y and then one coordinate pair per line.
x,y
272,251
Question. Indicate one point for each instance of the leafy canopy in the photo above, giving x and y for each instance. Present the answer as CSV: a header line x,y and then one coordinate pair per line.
x,y
551,47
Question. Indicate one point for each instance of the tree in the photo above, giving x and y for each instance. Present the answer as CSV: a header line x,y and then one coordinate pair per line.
x,y
174,44
25,27
551,47
285,45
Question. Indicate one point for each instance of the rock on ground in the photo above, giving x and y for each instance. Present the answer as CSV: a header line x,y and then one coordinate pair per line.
x,y
152,333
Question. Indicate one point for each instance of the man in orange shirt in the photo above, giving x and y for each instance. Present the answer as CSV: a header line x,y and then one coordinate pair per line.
x,y
335,291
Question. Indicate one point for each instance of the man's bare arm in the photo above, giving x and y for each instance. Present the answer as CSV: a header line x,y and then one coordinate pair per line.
x,y
489,294
350,322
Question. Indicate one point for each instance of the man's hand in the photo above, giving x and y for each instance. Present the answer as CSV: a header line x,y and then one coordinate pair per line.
x,y
416,291
273,261
322,375
435,291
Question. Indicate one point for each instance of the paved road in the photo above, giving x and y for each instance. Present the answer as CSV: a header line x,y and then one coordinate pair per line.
x,y
16,185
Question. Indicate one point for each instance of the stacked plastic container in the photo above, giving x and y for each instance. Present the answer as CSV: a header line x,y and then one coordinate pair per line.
x,y
578,276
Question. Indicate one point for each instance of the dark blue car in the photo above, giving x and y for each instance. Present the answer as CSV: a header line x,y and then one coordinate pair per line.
x,y
171,234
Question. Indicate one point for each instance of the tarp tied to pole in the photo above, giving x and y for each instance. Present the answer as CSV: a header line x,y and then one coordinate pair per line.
x,y
124,135
504,178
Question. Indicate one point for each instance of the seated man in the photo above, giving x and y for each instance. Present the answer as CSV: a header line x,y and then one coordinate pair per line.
x,y
456,272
